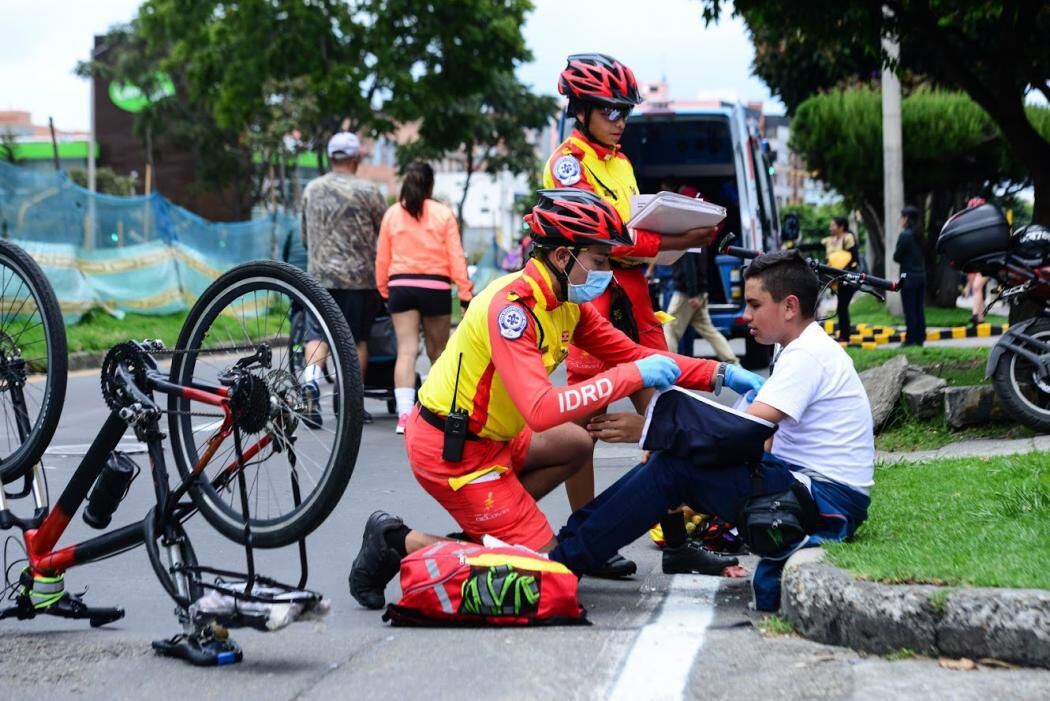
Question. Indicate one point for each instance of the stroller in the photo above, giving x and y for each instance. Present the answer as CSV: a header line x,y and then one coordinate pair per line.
x,y
382,353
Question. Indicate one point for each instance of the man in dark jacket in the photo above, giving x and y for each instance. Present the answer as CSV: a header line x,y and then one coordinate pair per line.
x,y
689,305
913,276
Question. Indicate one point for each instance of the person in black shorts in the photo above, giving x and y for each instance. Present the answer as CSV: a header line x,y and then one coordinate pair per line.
x,y
340,227
418,258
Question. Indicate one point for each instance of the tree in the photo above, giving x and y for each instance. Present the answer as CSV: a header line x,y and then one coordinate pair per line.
x,y
952,150
995,52
489,130
368,64
8,147
106,181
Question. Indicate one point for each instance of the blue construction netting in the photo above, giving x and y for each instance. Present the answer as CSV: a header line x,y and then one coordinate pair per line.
x,y
143,254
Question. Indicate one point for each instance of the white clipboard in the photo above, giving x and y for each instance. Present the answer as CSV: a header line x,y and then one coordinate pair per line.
x,y
671,214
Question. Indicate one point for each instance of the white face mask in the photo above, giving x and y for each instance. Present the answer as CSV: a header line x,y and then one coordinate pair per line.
x,y
596,283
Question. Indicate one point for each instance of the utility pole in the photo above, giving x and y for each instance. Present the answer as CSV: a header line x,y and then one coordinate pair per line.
x,y
89,233
892,159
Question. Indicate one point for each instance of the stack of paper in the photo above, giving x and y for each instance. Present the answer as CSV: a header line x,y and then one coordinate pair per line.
x,y
671,214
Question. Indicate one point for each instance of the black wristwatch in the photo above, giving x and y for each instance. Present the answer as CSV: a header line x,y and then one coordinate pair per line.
x,y
719,378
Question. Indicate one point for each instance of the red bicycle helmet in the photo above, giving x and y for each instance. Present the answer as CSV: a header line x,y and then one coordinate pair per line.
x,y
599,79
574,218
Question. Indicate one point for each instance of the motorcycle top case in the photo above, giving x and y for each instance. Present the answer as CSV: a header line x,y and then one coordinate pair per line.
x,y
974,233
458,583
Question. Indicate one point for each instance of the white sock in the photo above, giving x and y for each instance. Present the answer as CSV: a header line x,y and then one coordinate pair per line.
x,y
312,373
406,398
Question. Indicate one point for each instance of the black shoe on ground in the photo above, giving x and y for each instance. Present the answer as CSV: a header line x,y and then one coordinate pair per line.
x,y
693,558
366,418
616,567
377,563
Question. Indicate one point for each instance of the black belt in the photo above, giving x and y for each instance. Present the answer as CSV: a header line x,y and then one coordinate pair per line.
x,y
438,421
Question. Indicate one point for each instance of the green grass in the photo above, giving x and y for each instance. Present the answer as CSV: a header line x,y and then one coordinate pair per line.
x,y
911,434
960,366
865,309
99,331
775,625
958,522
904,653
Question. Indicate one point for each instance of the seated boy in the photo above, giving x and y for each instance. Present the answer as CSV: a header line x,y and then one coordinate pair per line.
x,y
824,439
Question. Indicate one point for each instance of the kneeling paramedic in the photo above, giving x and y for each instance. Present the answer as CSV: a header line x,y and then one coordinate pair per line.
x,y
822,453
491,434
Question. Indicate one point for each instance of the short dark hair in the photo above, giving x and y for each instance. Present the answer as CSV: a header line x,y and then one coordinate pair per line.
x,y
841,222
785,273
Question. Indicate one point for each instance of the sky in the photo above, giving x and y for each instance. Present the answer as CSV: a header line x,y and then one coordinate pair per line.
x,y
658,39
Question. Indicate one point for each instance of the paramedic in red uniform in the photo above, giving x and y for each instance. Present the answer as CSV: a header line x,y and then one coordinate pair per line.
x,y
601,93
521,441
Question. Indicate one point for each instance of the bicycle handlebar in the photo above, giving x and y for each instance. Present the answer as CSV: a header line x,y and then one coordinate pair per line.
x,y
844,276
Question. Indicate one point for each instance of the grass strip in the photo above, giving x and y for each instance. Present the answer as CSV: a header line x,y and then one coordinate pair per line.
x,y
865,309
959,522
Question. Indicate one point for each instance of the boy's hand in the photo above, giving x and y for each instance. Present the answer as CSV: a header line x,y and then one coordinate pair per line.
x,y
621,427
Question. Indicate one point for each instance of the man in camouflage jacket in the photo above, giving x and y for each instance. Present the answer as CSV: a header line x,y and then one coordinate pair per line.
x,y
340,228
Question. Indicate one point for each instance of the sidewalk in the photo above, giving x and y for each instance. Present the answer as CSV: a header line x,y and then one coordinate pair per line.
x,y
975,448
829,605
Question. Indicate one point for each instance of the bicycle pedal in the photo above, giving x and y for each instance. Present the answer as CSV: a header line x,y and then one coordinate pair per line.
x,y
200,649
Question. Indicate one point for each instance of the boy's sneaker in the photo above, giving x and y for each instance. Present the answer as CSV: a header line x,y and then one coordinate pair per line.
x,y
312,410
693,558
402,421
377,563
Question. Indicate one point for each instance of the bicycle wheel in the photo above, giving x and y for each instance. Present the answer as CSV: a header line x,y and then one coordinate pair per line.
x,y
33,362
285,451
169,551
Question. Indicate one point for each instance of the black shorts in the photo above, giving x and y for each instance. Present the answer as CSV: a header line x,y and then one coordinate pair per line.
x,y
360,309
427,302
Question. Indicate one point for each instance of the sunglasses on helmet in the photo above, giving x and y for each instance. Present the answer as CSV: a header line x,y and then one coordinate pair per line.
x,y
615,114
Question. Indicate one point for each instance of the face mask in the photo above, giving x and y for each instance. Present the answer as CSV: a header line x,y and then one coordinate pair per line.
x,y
592,287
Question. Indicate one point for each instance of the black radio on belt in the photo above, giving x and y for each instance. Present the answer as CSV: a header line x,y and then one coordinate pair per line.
x,y
455,425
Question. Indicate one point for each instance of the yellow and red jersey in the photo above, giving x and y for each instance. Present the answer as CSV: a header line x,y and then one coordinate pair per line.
x,y
513,336
608,173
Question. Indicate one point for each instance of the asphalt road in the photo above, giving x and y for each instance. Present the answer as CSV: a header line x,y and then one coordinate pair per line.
x,y
652,637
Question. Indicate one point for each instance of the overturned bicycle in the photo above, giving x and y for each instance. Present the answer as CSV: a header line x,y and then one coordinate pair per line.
x,y
251,468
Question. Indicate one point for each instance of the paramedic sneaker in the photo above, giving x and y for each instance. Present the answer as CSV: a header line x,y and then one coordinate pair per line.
x,y
402,421
693,558
616,567
312,399
377,563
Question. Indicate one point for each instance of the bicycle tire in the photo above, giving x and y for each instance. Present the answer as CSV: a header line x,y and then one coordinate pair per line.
x,y
25,287
327,466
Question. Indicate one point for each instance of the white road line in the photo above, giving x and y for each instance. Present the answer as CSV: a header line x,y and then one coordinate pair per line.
x,y
210,426
661,659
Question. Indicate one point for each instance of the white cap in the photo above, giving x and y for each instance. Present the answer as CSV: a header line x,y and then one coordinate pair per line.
x,y
344,144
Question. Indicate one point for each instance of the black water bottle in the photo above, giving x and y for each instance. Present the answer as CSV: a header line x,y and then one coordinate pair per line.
x,y
110,487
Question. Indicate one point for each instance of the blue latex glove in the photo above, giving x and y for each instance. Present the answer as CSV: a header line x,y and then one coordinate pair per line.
x,y
658,371
743,382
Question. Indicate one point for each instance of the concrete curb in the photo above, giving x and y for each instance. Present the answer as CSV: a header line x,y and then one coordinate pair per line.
x,y
86,360
827,604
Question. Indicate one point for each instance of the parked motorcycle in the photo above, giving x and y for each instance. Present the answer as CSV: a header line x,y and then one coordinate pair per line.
x,y
979,240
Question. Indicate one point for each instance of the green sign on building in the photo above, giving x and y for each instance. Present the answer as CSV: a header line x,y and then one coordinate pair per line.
x,y
131,98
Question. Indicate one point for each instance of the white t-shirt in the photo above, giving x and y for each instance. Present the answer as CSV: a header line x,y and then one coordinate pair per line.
x,y
828,428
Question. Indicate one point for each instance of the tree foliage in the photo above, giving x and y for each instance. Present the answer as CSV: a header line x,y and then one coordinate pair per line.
x,y
107,182
243,69
952,150
489,129
995,52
